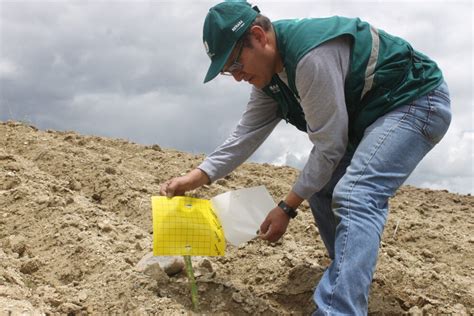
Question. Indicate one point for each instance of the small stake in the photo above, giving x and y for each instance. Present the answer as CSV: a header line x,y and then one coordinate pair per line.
x,y
396,228
192,281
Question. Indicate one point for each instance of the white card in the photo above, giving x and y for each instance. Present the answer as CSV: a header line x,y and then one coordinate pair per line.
x,y
241,212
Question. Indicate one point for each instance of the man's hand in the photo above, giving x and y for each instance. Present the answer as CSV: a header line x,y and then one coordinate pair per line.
x,y
179,185
175,186
274,225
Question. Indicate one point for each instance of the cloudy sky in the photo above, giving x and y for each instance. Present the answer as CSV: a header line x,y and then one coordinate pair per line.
x,y
134,70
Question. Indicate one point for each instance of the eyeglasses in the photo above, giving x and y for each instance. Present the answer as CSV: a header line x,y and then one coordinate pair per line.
x,y
236,66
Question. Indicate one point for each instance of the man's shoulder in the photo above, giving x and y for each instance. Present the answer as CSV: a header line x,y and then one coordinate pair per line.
x,y
296,22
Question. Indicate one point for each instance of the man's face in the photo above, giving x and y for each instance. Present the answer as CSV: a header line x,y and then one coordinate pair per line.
x,y
258,65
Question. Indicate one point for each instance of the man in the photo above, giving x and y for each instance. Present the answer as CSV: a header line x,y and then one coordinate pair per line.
x,y
371,105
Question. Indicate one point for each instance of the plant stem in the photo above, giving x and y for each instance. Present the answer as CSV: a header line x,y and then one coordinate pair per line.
x,y
192,281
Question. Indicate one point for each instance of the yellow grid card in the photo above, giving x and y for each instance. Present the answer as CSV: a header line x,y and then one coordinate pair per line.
x,y
186,226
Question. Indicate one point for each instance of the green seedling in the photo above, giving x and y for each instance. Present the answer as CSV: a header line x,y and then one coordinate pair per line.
x,y
192,282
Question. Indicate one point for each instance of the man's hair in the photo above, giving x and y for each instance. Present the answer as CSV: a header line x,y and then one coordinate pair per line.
x,y
261,21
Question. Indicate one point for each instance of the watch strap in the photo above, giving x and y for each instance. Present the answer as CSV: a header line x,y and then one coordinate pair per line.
x,y
291,212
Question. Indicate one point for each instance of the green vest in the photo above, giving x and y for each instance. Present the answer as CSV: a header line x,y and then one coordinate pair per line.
x,y
385,71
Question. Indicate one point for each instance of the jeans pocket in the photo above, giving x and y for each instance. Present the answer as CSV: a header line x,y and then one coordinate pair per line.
x,y
439,116
442,92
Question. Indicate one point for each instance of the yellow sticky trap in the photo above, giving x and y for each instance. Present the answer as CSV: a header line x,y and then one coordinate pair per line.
x,y
186,226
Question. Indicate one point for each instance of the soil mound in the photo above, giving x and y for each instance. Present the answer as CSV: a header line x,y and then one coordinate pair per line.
x,y
75,219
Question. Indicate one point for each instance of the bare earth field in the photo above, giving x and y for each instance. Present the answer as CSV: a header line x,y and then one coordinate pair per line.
x,y
75,218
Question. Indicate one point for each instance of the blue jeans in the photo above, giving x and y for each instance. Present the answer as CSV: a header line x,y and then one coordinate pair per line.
x,y
351,210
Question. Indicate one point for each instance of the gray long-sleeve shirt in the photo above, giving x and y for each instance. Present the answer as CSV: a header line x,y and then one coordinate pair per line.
x,y
320,77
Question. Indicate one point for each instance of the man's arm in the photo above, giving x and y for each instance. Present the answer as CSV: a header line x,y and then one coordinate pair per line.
x,y
257,122
320,78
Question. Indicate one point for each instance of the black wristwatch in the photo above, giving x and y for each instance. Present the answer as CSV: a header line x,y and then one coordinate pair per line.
x,y
291,212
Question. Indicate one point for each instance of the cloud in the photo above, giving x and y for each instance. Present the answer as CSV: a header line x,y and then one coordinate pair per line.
x,y
8,70
134,69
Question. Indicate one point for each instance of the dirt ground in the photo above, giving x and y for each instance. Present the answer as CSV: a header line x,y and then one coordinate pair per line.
x,y
75,218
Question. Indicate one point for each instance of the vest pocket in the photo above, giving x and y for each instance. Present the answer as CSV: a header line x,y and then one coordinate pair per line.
x,y
396,63
390,78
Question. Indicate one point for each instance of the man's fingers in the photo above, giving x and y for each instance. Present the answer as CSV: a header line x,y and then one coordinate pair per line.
x,y
269,234
272,234
171,189
264,227
268,231
178,193
274,226
165,189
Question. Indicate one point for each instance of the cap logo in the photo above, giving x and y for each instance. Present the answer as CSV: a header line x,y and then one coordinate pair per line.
x,y
206,46
238,26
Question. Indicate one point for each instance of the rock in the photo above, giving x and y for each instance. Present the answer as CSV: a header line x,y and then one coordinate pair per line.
x,y
138,246
81,236
221,182
156,273
460,309
74,185
427,254
156,148
82,296
121,247
53,301
7,157
9,306
435,275
170,265
70,308
206,264
440,267
110,170
10,184
17,244
427,309
42,199
105,226
30,266
13,166
391,252
139,235
56,201
13,277
291,245
96,197
415,311
237,297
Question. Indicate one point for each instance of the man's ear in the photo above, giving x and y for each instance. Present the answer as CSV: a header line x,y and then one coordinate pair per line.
x,y
259,35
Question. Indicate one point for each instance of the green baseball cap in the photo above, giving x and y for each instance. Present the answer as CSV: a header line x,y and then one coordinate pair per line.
x,y
225,23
